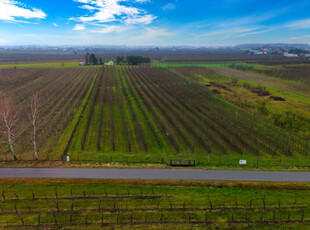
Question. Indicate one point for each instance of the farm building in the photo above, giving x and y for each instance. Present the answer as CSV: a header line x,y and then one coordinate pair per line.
x,y
109,62
82,63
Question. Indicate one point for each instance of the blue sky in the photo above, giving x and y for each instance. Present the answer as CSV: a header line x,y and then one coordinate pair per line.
x,y
153,22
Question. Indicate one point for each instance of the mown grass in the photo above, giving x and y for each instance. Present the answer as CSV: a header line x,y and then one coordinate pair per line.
x,y
125,204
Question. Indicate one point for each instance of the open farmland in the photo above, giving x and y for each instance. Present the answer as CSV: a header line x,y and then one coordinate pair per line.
x,y
142,115
39,204
60,92
145,114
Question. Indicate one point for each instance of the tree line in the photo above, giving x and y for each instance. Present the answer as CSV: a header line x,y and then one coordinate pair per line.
x,y
132,60
14,118
91,59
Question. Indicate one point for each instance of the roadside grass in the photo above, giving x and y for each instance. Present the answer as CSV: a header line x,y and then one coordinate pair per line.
x,y
155,204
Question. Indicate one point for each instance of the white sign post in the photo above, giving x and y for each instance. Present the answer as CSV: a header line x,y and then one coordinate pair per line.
x,y
68,158
242,162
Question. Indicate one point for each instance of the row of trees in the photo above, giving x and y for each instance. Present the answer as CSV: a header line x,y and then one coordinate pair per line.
x,y
13,124
91,59
132,60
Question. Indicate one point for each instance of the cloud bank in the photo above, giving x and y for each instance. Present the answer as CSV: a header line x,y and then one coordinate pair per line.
x,y
106,12
13,11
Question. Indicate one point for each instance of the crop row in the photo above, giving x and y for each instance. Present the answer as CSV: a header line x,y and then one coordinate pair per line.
x,y
157,111
59,91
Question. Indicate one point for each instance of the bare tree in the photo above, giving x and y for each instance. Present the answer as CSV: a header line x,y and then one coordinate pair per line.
x,y
9,118
33,115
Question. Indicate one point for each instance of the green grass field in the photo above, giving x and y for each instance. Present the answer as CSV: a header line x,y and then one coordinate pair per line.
x,y
207,64
65,64
47,204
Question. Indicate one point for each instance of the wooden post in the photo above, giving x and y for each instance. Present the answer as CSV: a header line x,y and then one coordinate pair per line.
x,y
55,219
264,202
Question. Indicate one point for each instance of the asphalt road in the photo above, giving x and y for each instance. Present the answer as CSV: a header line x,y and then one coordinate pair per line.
x,y
211,175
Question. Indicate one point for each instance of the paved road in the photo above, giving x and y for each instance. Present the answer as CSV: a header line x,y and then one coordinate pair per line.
x,y
219,175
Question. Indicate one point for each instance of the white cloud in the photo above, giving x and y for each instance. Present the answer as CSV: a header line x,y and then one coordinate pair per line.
x,y
300,24
109,29
169,6
12,10
300,37
254,32
87,7
147,19
2,41
152,34
54,24
109,11
79,27
142,1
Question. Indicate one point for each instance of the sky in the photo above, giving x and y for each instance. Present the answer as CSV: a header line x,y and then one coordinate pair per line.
x,y
153,22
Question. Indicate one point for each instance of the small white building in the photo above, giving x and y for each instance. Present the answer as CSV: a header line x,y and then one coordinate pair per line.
x,y
82,63
258,53
286,54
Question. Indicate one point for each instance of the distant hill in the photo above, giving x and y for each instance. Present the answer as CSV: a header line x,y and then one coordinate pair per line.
x,y
272,45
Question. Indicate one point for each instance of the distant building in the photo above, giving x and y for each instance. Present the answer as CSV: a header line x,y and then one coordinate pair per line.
x,y
82,63
258,52
109,62
287,54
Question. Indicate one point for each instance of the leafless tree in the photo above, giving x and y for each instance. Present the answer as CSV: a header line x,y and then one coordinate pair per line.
x,y
33,115
9,118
